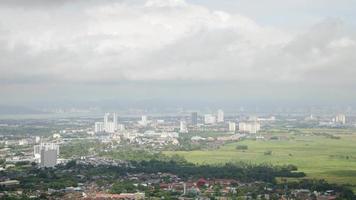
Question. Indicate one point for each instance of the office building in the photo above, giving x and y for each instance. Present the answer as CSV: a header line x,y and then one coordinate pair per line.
x,y
144,120
194,118
48,157
183,127
46,154
220,116
110,122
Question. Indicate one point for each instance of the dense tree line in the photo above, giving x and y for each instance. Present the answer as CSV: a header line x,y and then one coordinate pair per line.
x,y
177,165
239,171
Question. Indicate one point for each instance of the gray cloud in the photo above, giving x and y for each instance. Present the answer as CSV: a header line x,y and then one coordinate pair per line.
x,y
101,42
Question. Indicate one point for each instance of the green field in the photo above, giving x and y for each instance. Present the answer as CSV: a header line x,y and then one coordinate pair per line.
x,y
318,156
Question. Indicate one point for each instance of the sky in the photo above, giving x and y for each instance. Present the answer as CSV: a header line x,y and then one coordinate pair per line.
x,y
281,51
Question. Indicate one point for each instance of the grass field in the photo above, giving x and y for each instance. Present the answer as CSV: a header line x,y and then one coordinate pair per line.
x,y
317,156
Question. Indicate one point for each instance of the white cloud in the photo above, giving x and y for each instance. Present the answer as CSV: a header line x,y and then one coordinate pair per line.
x,y
165,40
165,3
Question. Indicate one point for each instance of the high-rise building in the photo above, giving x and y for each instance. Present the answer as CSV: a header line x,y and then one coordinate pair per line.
x,y
144,120
46,154
194,118
99,127
110,122
183,127
37,152
115,119
209,119
48,157
106,119
220,116
109,125
249,127
340,119
232,126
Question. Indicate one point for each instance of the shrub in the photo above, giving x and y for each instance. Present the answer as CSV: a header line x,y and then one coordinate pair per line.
x,y
241,147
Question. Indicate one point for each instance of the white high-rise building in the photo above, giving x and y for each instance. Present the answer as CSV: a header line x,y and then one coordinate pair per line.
x,y
232,126
209,119
249,127
340,119
46,154
37,152
220,116
183,127
106,119
115,120
37,139
194,118
110,122
121,127
144,120
110,127
99,127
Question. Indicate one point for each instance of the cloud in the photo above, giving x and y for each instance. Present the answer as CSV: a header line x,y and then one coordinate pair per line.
x,y
165,3
169,40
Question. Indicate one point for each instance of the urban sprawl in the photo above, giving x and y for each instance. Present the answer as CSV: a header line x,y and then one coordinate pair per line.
x,y
133,157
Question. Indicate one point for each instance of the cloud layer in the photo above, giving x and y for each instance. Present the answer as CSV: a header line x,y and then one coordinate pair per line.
x,y
164,40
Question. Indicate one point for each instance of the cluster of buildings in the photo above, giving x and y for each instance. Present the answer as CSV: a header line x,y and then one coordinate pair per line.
x,y
338,120
212,119
30,150
109,125
153,132
250,127
133,130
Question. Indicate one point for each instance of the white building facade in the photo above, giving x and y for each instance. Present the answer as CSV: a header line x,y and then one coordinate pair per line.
x,y
249,127
209,119
220,116
232,126
183,127
340,119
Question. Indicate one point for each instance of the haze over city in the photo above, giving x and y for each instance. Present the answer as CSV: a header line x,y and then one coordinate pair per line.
x,y
246,52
